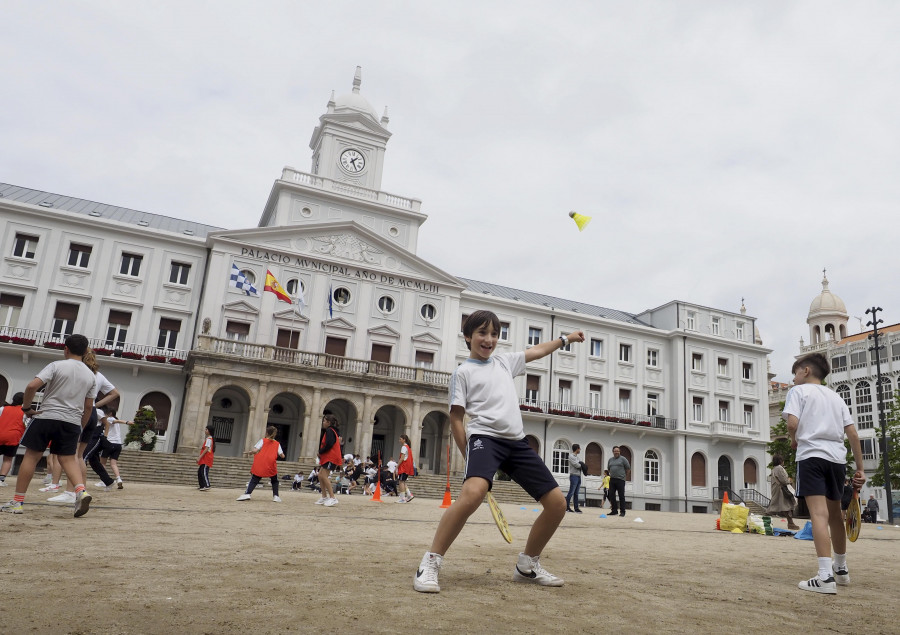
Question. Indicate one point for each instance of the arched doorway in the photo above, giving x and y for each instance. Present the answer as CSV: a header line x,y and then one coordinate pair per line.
x,y
390,422
286,413
347,417
751,478
162,407
724,473
4,388
698,470
593,458
432,456
228,415
625,451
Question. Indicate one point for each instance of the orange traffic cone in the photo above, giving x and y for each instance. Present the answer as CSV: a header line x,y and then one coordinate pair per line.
x,y
725,498
447,500
718,520
377,496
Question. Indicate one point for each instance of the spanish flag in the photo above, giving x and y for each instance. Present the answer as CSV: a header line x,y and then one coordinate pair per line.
x,y
273,286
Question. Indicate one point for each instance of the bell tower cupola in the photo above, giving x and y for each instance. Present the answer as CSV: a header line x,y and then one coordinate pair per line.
x,y
827,317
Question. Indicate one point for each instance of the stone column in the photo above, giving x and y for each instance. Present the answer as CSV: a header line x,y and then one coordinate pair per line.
x,y
366,430
415,431
256,422
311,431
195,415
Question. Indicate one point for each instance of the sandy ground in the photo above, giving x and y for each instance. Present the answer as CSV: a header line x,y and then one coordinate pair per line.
x,y
167,559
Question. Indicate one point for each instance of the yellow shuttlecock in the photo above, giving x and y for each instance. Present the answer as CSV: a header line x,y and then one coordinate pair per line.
x,y
580,219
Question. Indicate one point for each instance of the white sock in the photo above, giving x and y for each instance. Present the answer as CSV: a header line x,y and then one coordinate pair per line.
x,y
825,568
840,561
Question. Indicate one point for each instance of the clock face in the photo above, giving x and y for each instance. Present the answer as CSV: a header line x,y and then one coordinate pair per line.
x,y
353,161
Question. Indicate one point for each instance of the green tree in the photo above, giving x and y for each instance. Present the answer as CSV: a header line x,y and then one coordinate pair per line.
x,y
893,430
142,435
781,444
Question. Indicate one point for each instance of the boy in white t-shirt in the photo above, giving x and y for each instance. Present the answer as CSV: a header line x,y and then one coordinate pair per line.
x,y
817,420
483,388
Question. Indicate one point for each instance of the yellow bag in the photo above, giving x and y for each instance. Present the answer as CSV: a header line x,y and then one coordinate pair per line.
x,y
733,517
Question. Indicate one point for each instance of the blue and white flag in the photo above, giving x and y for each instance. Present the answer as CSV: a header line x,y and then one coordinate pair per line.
x,y
239,281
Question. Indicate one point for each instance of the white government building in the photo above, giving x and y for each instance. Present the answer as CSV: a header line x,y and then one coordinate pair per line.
x,y
681,388
854,373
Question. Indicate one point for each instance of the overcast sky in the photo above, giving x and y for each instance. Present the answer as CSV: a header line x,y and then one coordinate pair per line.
x,y
724,149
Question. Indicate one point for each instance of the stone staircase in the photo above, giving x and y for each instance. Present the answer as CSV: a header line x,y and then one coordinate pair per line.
x,y
233,472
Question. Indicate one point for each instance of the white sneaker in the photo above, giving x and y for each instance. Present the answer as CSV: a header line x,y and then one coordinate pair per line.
x,y
65,497
321,500
841,576
99,484
331,502
48,478
243,497
817,585
105,488
426,578
276,499
3,483
82,503
529,569
50,488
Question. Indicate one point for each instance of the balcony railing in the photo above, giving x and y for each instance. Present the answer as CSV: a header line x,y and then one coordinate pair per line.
x,y
594,414
323,183
249,350
44,339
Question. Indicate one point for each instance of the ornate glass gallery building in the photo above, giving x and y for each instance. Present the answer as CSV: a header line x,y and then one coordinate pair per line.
x,y
168,305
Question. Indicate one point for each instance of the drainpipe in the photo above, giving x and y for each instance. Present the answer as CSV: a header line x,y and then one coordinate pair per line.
x,y
684,371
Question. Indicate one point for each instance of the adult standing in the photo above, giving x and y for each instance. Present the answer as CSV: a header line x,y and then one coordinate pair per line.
x,y
618,467
872,509
782,501
574,478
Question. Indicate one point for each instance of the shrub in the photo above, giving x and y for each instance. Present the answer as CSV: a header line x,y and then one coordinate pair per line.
x,y
142,432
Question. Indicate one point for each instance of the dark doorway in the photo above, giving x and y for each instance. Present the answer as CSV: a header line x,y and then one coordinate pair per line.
x,y
724,473
284,433
378,448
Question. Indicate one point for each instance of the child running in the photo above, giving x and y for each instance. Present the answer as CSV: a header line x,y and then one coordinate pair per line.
x,y
605,487
12,427
405,469
205,460
267,452
817,420
114,433
69,391
329,459
483,388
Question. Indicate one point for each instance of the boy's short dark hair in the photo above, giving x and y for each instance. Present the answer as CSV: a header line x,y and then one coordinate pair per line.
x,y
77,344
576,447
814,361
477,319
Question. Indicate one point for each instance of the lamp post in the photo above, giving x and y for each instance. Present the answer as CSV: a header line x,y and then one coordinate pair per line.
x,y
885,441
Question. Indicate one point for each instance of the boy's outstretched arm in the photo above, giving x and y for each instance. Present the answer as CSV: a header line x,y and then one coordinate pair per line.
x,y
545,348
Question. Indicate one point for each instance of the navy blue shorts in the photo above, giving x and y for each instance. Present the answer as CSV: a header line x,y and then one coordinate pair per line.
x,y
91,429
8,450
820,477
486,455
63,434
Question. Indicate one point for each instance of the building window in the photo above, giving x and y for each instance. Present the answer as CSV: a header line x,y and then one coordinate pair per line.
x,y
462,322
887,395
858,359
179,273
882,355
168,333
341,296
560,457
651,467
532,388
386,304
843,392
79,255
864,406
25,246
565,391
131,265
748,415
10,309
724,411
698,470
286,338
739,331
838,363
117,327
625,353
697,409
504,331
747,370
425,359
869,449
381,353
596,348
691,321
624,400
293,285
714,325
567,347
652,404
697,362
239,331
534,336
428,312
596,396
64,319
723,367
652,358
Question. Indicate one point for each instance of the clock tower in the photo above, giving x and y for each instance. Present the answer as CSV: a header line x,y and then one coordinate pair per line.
x,y
349,142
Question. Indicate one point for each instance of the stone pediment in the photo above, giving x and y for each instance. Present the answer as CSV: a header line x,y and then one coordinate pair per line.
x,y
291,314
384,331
241,306
426,338
357,120
339,323
356,250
